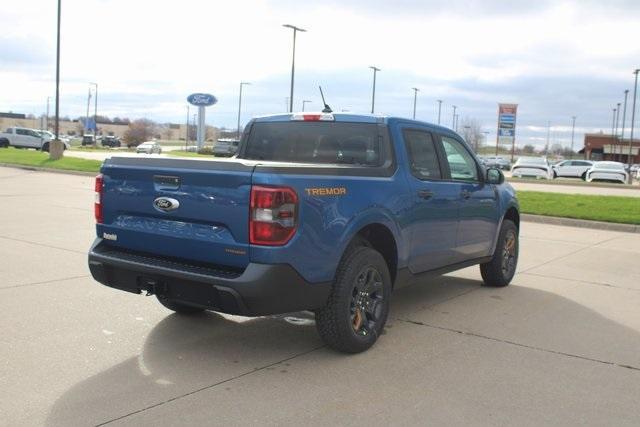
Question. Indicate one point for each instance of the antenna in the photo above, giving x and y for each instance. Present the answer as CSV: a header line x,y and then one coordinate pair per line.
x,y
326,108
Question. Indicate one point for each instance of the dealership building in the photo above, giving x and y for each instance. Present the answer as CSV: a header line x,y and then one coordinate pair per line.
x,y
599,146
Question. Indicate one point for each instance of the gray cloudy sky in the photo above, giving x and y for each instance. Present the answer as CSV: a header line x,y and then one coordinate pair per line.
x,y
555,59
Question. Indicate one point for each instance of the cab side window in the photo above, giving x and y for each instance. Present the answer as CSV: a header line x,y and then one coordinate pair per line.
x,y
422,153
461,163
22,132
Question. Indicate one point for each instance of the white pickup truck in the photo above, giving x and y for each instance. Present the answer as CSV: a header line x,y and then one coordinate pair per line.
x,y
25,138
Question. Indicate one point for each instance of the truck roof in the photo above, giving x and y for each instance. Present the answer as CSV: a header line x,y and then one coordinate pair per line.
x,y
351,118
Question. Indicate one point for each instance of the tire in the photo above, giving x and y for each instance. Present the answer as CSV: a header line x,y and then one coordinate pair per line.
x,y
500,270
584,176
357,309
45,147
178,307
4,143
555,174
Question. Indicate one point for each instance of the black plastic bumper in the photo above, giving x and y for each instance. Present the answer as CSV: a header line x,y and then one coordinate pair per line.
x,y
260,289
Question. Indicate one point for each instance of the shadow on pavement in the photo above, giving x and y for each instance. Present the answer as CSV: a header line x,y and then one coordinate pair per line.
x,y
182,355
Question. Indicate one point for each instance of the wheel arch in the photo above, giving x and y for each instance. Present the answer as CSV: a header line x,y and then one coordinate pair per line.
x,y
378,236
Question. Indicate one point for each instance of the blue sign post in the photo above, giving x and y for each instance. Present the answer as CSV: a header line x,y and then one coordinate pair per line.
x,y
201,100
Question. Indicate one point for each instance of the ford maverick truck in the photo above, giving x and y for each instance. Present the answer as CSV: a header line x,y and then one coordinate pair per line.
x,y
317,212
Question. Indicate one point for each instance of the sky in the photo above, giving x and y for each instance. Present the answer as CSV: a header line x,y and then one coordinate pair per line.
x,y
555,59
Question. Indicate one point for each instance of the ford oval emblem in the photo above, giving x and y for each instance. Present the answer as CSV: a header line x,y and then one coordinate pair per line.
x,y
166,204
201,99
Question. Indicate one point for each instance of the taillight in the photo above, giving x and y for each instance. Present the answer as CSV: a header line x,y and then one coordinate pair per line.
x,y
273,215
97,205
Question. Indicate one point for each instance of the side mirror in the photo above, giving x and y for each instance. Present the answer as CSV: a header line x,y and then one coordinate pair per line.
x,y
494,176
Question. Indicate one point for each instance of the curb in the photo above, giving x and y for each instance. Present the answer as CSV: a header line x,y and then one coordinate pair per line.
x,y
580,223
580,184
39,169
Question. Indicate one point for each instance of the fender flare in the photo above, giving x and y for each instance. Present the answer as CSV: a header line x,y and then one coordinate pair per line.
x,y
373,215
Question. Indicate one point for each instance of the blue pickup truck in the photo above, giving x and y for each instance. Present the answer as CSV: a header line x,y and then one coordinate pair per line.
x,y
317,211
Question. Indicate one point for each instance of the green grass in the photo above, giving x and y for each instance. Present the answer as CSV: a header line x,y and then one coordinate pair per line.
x,y
39,159
624,210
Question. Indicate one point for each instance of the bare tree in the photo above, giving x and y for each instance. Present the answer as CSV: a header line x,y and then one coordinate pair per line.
x,y
139,131
471,132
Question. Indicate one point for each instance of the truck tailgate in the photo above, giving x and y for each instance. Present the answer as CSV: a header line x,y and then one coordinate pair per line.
x,y
205,219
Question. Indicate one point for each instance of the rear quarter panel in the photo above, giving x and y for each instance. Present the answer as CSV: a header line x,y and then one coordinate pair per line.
x,y
327,223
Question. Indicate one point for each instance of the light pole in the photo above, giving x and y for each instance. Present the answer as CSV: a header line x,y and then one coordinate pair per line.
x,y
373,95
439,109
47,119
57,127
186,135
615,132
240,105
456,123
95,114
415,99
86,119
624,116
453,118
546,147
573,130
633,117
293,61
304,102
486,135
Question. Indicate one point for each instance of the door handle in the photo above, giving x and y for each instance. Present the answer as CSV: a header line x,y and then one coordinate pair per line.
x,y
465,194
425,194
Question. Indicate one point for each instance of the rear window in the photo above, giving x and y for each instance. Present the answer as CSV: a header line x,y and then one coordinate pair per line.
x,y
315,142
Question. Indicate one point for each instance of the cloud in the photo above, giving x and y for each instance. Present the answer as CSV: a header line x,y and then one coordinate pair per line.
x,y
556,59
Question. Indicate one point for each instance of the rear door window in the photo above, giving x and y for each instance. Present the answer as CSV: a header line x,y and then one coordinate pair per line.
x,y
315,142
422,154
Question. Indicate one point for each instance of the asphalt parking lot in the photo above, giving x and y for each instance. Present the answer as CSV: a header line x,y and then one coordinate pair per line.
x,y
560,346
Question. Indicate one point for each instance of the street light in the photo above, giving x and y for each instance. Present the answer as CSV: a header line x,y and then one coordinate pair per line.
x,y
486,135
633,117
57,127
453,118
439,109
304,102
624,115
240,105
573,129
415,98
373,95
293,61
95,114
615,132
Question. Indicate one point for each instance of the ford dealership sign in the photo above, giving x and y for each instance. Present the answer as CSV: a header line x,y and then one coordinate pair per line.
x,y
201,99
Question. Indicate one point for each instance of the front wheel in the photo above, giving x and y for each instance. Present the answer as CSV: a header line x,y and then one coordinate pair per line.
x,y
502,267
357,309
178,307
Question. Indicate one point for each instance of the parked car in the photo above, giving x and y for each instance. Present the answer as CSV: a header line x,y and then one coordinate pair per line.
x,y
25,138
607,171
572,168
532,167
225,147
497,162
110,141
88,140
149,147
321,212
49,136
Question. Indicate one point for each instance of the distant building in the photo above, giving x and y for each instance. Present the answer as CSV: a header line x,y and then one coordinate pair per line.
x,y
167,131
599,146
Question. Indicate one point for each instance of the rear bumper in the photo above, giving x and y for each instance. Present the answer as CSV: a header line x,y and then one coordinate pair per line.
x,y
261,289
